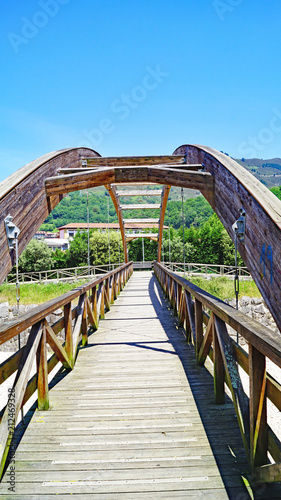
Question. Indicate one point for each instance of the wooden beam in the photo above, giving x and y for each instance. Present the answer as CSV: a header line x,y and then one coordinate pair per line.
x,y
141,221
142,235
203,181
78,181
116,202
134,160
150,192
141,206
165,196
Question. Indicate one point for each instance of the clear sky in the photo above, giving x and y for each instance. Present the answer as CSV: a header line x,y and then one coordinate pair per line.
x,y
139,77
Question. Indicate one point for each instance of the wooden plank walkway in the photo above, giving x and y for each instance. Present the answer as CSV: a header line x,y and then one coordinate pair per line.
x,y
135,419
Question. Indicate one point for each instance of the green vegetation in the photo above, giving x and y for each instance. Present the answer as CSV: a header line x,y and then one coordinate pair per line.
x,y
36,257
35,293
223,287
73,208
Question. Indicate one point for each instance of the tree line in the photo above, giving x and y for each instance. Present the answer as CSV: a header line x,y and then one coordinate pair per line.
x,y
204,239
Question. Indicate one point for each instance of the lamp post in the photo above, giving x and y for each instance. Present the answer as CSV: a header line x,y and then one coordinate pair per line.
x,y
239,228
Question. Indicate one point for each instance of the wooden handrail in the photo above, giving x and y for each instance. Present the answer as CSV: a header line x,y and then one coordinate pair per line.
x,y
102,292
187,301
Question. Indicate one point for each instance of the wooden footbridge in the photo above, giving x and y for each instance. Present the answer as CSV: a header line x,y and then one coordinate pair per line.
x,y
148,399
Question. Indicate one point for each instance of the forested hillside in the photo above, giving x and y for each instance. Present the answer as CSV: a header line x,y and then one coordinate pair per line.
x,y
205,238
73,208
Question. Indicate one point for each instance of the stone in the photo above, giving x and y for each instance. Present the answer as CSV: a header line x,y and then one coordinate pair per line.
x,y
259,309
245,301
4,310
256,300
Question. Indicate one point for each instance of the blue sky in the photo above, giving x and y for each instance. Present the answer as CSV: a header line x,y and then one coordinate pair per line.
x,y
137,78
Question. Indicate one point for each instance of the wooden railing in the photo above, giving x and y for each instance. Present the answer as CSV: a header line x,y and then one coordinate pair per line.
x,y
94,299
206,329
206,269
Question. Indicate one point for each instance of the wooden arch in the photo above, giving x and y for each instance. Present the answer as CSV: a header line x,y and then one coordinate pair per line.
x,y
31,193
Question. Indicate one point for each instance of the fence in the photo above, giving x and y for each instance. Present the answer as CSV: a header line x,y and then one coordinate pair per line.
x,y
207,269
85,272
71,273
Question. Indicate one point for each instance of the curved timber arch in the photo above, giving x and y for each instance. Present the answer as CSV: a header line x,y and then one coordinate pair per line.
x,y
235,187
31,193
23,196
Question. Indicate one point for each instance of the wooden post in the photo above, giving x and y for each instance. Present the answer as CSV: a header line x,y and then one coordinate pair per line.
x,y
84,327
68,331
258,414
111,289
102,308
198,326
42,374
106,295
218,370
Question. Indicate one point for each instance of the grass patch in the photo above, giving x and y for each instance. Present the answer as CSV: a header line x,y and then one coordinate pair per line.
x,y
35,293
223,287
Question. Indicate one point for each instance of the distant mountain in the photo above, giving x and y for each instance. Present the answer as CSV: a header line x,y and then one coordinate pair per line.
x,y
266,171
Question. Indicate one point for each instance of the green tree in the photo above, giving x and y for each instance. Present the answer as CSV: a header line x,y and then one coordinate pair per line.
x,y
77,254
36,257
99,247
176,249
60,259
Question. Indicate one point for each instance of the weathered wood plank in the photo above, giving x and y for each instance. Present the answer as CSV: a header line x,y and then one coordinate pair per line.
x,y
42,373
134,160
258,414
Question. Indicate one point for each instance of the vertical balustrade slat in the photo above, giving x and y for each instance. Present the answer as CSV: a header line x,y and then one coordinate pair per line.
x,y
239,397
42,373
68,332
182,310
84,326
106,295
198,326
191,316
111,288
218,371
258,414
102,307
